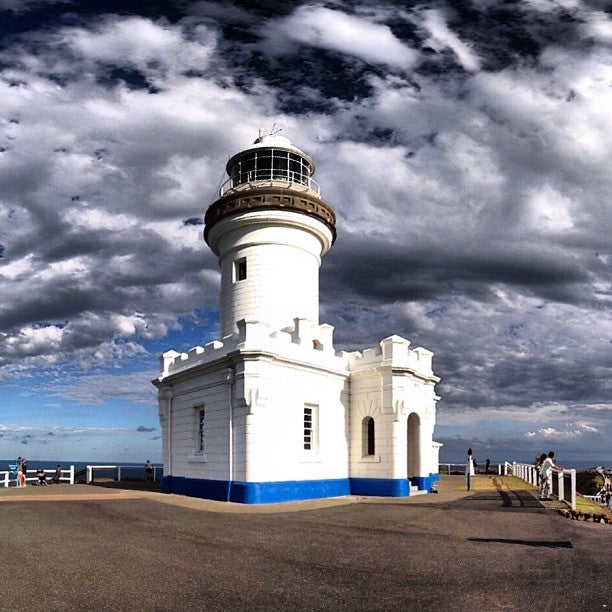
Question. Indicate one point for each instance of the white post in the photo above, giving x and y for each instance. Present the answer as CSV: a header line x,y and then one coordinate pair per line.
x,y
560,483
6,479
118,473
71,474
573,489
89,474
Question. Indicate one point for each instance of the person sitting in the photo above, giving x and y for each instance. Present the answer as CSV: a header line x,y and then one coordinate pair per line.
x,y
42,477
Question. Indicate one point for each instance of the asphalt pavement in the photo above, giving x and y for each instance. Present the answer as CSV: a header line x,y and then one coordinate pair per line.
x,y
113,547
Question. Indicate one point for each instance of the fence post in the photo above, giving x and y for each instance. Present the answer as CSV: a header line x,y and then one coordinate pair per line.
x,y
71,473
560,485
118,473
89,474
573,489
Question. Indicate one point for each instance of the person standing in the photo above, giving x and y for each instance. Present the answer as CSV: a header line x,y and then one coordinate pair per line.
x,y
469,469
19,472
487,464
24,472
149,471
546,471
540,479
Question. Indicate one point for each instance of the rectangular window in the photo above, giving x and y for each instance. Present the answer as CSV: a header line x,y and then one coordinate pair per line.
x,y
311,428
240,269
201,427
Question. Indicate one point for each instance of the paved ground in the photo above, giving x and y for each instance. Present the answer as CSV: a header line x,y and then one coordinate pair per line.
x,y
103,548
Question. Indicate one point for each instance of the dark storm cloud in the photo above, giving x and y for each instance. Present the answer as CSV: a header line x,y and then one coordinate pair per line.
x,y
429,271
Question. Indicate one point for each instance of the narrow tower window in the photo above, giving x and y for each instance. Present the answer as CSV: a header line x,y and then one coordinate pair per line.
x,y
201,418
369,437
240,269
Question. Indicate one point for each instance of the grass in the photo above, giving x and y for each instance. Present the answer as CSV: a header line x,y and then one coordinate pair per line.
x,y
585,505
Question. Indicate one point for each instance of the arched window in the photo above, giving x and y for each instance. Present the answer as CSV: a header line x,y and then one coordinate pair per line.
x,y
368,436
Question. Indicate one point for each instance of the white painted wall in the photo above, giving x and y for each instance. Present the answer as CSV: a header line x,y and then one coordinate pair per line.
x,y
283,252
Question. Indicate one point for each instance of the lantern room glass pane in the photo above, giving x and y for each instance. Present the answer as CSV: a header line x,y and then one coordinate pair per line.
x,y
270,164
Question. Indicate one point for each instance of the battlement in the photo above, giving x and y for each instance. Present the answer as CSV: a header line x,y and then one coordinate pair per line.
x,y
393,352
302,342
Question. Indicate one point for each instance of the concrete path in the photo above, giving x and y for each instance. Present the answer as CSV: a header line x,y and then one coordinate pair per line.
x,y
496,548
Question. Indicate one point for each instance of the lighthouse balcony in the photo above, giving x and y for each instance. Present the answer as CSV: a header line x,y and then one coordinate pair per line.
x,y
287,181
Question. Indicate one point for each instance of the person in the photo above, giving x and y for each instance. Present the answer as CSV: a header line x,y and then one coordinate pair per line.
x,y
42,477
469,469
546,472
487,464
24,472
57,474
538,466
149,470
19,473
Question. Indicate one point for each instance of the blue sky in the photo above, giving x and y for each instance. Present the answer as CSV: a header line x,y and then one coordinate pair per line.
x,y
465,147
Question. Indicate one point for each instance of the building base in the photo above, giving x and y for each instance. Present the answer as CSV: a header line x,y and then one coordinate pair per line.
x,y
293,490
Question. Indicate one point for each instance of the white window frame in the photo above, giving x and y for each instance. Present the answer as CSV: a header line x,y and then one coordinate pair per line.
x,y
238,263
199,420
310,412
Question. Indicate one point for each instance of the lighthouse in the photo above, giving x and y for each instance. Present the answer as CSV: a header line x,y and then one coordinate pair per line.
x,y
271,411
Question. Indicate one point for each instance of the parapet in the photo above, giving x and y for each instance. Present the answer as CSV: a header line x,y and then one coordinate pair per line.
x,y
303,342
394,352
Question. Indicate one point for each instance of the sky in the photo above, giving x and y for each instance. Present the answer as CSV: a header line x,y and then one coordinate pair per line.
x,y
465,146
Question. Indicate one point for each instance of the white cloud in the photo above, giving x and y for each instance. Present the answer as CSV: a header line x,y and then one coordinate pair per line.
x,y
152,48
339,31
441,37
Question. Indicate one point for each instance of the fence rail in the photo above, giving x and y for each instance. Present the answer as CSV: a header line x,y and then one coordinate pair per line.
x,y
124,472
448,468
10,476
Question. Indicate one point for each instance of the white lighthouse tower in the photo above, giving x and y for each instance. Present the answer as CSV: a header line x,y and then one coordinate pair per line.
x,y
271,412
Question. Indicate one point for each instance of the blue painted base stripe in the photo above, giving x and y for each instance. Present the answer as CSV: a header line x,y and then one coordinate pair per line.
x,y
381,487
291,490
422,483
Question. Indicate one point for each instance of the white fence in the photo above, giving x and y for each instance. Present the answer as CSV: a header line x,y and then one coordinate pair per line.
x,y
600,499
6,477
566,483
448,468
566,480
125,471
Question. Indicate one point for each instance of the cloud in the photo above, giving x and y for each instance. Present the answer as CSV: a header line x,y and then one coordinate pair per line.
x,y
95,389
142,428
340,32
440,37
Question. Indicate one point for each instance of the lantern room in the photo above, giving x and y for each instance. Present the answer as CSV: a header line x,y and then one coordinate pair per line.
x,y
271,158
